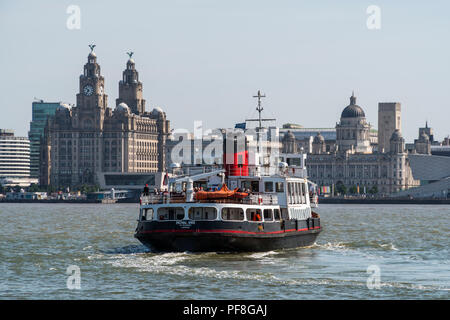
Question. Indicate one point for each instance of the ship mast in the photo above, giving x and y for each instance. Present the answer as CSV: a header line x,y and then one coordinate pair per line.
x,y
259,108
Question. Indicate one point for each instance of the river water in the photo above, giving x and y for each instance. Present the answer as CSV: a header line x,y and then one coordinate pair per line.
x,y
405,247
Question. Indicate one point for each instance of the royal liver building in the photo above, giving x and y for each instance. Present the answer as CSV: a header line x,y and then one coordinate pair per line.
x,y
352,162
91,137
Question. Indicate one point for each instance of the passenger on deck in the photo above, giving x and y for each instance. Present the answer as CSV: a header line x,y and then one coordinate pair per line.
x,y
146,190
256,216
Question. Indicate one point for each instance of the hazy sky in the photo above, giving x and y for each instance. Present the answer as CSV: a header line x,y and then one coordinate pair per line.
x,y
205,59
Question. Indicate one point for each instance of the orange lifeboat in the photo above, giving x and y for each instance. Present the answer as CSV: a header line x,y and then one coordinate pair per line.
x,y
223,193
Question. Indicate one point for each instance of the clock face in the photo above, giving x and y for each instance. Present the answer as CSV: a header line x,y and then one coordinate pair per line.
x,y
88,90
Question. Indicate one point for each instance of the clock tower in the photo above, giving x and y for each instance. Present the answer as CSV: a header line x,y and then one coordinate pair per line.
x,y
130,88
92,84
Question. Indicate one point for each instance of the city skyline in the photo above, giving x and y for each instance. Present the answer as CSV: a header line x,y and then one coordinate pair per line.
x,y
197,58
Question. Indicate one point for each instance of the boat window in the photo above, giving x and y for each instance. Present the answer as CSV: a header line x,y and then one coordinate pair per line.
x,y
293,191
245,185
290,193
279,187
284,214
268,186
171,213
232,214
305,192
147,214
254,214
255,186
268,215
202,213
299,192
276,213
302,193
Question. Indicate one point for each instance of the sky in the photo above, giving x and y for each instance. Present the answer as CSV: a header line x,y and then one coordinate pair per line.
x,y
205,59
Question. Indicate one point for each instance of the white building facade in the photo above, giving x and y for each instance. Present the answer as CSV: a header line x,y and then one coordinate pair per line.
x,y
14,160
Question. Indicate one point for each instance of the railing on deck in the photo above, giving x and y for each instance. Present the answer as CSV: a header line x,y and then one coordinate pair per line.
x,y
254,198
258,171
314,200
162,198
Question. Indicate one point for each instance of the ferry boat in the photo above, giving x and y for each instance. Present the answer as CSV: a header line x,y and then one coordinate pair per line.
x,y
278,215
259,207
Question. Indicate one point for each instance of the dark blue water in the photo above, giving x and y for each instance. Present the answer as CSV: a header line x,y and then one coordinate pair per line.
x,y
408,245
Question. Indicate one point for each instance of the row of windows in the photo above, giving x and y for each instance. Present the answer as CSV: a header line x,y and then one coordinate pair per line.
x,y
14,156
210,213
148,157
297,193
113,164
146,165
269,186
361,183
145,136
15,164
146,144
16,142
15,152
111,135
15,160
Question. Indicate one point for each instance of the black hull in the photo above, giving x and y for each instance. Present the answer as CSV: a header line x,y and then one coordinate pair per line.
x,y
217,236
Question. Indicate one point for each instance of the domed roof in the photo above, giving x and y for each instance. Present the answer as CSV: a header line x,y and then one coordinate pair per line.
x,y
396,135
318,138
130,61
157,111
92,55
122,107
353,110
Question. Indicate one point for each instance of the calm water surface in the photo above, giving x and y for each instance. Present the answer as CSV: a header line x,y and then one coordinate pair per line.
x,y
409,245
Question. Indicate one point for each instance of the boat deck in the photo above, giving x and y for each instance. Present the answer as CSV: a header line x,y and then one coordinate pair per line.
x,y
254,198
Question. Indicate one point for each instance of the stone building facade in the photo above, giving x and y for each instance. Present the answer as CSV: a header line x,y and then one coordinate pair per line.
x,y
304,138
353,131
353,163
389,120
422,145
91,137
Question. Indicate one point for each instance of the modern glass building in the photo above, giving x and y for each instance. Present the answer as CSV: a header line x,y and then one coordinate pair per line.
x,y
14,159
41,112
